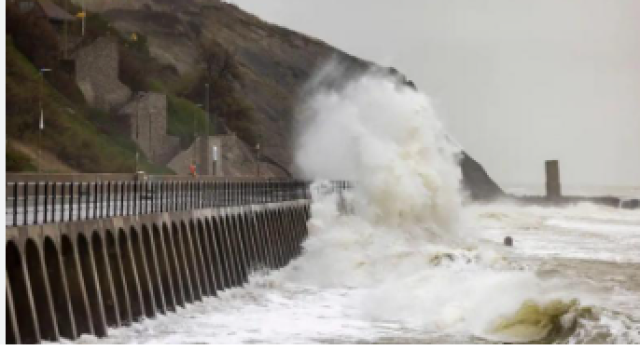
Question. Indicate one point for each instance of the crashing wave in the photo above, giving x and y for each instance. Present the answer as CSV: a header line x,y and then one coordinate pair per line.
x,y
539,322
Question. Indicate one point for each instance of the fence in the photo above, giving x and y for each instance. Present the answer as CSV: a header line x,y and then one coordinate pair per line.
x,y
40,202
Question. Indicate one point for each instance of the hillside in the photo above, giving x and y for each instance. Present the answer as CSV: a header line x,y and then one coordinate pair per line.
x,y
255,71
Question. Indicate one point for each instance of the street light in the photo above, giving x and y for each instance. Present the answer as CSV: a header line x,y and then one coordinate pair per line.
x,y
206,101
41,124
138,97
195,139
258,159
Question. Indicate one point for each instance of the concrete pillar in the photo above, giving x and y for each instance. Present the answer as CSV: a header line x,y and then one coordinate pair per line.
x,y
207,165
553,179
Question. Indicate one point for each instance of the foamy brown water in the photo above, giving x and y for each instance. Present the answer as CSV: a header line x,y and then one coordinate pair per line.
x,y
280,308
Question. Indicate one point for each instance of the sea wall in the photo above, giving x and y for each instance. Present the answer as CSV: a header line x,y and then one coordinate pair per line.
x,y
74,278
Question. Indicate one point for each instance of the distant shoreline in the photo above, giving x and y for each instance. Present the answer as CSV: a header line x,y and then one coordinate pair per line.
x,y
610,201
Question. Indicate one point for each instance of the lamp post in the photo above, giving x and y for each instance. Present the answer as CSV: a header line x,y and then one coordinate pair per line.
x,y
152,151
137,129
195,138
206,103
41,123
258,160
84,14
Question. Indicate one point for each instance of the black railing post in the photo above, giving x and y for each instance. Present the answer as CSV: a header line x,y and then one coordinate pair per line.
x,y
145,198
207,194
241,195
216,194
108,208
247,192
237,192
154,189
192,199
25,199
95,200
192,191
167,197
87,207
46,202
70,201
63,195
184,196
127,198
121,186
252,192
170,195
174,194
181,195
79,199
164,196
231,193
135,198
36,200
189,195
279,193
54,200
101,199
223,196
15,204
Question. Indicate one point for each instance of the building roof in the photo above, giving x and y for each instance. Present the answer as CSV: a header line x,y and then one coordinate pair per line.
x,y
52,11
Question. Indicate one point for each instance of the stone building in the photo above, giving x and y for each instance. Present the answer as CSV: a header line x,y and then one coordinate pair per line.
x,y
97,74
147,120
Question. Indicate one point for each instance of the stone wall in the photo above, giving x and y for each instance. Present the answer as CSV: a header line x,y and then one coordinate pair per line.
x,y
147,116
199,153
234,159
48,296
97,74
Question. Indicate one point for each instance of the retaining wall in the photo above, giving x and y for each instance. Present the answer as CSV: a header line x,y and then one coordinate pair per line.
x,y
73,278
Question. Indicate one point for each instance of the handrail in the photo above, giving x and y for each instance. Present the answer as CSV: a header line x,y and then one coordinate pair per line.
x,y
33,201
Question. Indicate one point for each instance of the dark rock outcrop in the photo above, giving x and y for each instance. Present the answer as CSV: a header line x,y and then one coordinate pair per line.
x,y
477,182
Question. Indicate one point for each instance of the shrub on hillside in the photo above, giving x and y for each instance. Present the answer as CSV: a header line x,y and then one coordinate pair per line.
x,y
17,161
33,36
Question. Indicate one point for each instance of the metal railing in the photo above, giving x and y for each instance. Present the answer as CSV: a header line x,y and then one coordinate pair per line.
x,y
35,203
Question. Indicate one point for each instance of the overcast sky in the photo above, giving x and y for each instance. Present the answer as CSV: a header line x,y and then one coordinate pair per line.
x,y
516,81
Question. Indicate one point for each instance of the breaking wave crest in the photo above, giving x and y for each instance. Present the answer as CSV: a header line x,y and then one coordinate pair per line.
x,y
401,241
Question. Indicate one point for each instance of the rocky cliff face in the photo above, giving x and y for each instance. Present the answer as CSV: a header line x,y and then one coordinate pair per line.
x,y
272,66
274,63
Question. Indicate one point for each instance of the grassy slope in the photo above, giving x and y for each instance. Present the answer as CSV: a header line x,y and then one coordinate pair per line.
x,y
72,132
181,114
